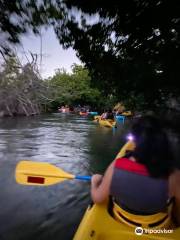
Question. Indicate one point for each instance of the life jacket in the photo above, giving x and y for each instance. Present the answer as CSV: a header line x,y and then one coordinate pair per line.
x,y
135,190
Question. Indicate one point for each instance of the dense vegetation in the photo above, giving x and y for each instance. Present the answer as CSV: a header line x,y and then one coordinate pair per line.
x,y
73,88
131,48
22,91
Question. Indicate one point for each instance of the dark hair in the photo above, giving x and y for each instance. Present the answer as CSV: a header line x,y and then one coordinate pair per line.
x,y
152,146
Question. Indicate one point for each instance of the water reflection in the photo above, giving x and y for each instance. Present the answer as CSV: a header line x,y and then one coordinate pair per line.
x,y
73,143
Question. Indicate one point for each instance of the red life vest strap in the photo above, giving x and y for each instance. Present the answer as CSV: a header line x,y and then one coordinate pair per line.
x,y
131,166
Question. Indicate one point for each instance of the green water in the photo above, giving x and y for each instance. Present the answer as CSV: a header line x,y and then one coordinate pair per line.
x,y
74,143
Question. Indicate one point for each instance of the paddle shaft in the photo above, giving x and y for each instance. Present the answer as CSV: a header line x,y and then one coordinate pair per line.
x,y
87,178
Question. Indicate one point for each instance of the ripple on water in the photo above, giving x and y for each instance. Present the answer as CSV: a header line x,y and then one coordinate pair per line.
x,y
70,142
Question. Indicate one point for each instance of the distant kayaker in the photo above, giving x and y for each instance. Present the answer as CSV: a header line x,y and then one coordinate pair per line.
x,y
104,115
71,109
66,108
118,112
110,114
143,181
107,114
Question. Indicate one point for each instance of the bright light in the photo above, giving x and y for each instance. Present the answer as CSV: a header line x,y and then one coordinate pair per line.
x,y
130,137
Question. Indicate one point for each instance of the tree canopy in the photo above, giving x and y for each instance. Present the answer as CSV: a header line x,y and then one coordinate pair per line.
x,y
18,17
73,88
130,47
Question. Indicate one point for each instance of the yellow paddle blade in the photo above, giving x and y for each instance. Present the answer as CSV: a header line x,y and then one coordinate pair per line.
x,y
40,173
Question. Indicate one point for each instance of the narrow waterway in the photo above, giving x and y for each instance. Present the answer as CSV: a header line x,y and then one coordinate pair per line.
x,y
73,143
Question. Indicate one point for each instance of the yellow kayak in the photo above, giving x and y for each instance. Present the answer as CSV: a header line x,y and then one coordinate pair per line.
x,y
127,113
98,224
107,123
96,118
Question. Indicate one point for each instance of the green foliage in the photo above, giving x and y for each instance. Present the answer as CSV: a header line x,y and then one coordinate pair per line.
x,y
21,16
73,88
131,48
